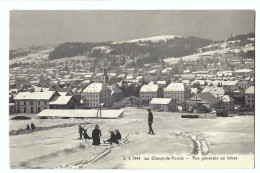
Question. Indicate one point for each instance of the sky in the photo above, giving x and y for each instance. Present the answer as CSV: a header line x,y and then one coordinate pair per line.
x,y
29,28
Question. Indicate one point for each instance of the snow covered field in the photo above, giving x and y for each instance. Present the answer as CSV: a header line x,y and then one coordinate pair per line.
x,y
59,147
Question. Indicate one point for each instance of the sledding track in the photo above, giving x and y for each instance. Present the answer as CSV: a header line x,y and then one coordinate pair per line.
x,y
200,144
85,162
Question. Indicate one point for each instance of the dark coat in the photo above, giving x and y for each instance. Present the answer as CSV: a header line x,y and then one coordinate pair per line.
x,y
80,130
96,133
118,136
150,117
86,135
32,126
113,139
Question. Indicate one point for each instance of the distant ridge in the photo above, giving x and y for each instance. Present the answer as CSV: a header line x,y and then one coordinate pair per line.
x,y
153,39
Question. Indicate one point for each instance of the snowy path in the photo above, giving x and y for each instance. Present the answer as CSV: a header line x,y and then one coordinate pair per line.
x,y
85,162
200,144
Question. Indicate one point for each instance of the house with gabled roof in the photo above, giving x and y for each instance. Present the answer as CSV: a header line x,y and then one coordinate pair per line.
x,y
162,104
150,91
33,102
63,102
226,102
202,101
215,90
250,96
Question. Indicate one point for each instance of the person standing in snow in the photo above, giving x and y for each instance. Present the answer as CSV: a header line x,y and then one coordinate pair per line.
x,y
28,127
118,135
150,121
96,134
80,132
32,126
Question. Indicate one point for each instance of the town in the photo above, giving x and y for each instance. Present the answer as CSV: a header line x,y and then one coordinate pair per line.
x,y
131,89
217,76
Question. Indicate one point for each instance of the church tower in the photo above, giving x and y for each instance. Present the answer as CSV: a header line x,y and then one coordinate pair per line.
x,y
105,76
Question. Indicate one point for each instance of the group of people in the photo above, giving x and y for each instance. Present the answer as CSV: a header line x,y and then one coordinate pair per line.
x,y
30,128
96,134
114,136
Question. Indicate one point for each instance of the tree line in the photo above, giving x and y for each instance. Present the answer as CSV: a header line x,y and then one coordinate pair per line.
x,y
177,47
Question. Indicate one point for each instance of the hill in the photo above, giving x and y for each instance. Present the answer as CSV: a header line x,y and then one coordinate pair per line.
x,y
152,39
157,47
242,45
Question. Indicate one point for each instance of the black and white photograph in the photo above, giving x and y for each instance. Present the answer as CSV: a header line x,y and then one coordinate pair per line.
x,y
131,89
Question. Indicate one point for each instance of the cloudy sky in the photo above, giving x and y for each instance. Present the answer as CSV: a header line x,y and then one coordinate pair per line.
x,y
42,27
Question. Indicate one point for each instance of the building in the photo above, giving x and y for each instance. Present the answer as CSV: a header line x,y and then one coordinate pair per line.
x,y
34,102
227,102
95,94
150,91
230,86
202,101
177,91
244,72
243,85
239,97
101,51
250,63
63,102
215,90
250,97
151,75
162,104
116,94
224,73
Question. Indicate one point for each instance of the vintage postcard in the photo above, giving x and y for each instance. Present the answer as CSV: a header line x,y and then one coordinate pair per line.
x,y
131,89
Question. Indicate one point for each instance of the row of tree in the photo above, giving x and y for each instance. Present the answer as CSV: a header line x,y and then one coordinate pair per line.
x,y
241,36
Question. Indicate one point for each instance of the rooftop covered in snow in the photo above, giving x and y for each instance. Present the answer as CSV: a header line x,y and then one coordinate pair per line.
x,y
46,95
250,90
94,88
60,100
80,113
163,101
175,87
149,88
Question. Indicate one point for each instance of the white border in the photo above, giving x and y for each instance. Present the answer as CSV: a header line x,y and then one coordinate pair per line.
x,y
108,5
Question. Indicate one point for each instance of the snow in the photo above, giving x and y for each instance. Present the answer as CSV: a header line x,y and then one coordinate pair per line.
x,y
250,90
175,87
227,98
229,83
94,88
214,90
149,88
63,60
46,95
152,39
33,57
80,113
249,47
164,101
173,136
60,100
251,39
193,57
